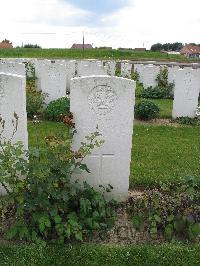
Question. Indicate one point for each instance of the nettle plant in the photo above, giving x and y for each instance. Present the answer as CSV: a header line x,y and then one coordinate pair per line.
x,y
171,211
50,203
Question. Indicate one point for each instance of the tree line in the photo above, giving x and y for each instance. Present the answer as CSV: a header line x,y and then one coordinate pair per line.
x,y
176,46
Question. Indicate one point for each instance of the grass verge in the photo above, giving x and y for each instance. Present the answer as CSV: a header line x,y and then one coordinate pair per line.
x,y
100,255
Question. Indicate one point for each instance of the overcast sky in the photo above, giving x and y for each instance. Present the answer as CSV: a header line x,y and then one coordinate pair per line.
x,y
116,23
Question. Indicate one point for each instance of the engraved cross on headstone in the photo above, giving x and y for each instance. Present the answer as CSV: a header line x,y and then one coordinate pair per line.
x,y
105,164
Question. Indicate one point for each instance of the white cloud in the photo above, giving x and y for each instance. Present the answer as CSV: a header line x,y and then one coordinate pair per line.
x,y
143,21
150,21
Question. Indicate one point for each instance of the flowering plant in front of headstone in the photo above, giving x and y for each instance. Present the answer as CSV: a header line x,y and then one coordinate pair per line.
x,y
51,204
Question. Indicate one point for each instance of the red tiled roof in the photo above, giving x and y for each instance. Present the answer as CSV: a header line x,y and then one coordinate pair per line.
x,y
80,46
5,45
190,49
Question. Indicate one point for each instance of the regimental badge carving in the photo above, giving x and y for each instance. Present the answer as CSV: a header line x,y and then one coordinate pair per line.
x,y
102,99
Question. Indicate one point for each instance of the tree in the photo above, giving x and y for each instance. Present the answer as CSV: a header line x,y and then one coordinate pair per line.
x,y
176,46
156,47
6,41
29,45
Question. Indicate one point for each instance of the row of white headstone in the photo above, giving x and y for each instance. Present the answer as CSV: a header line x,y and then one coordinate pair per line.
x,y
99,100
53,78
103,101
187,86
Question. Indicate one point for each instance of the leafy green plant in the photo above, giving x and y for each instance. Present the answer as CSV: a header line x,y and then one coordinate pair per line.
x,y
146,110
185,120
34,99
30,71
139,89
57,109
135,76
51,203
163,89
171,211
118,71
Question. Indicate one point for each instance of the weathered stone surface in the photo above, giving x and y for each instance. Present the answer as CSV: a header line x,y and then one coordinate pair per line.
x,y
90,67
71,72
147,74
111,68
13,105
126,69
51,79
13,100
109,103
39,64
13,68
186,93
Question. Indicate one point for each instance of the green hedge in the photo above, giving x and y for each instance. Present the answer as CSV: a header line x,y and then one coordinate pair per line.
x,y
100,255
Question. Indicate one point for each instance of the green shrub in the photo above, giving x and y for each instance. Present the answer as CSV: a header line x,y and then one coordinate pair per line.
x,y
30,71
185,120
154,93
139,89
56,109
171,211
163,89
146,110
135,76
49,204
34,99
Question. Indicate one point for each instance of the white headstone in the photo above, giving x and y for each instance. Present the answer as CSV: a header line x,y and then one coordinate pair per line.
x,y
13,68
126,69
109,103
111,68
71,68
39,65
52,81
186,93
90,67
147,74
13,110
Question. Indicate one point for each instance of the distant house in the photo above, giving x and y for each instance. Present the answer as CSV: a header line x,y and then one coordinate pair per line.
x,y
125,49
170,52
80,46
140,49
5,44
105,48
191,51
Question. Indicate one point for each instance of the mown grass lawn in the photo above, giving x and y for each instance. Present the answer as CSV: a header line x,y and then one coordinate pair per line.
x,y
160,153
164,153
90,255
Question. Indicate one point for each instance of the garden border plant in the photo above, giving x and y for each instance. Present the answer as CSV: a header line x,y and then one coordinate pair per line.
x,y
35,99
146,110
57,109
172,212
50,203
163,89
